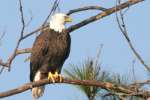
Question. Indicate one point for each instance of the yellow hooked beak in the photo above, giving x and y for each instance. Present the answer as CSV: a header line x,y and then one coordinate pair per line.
x,y
68,19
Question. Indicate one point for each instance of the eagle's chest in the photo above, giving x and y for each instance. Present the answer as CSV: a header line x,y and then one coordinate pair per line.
x,y
58,44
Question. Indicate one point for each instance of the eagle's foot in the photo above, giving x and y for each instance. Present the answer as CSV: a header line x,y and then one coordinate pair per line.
x,y
52,77
58,77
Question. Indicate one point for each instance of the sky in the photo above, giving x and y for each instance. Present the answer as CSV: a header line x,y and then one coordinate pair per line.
x,y
116,55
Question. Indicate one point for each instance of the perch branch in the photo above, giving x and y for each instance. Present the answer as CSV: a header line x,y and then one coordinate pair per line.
x,y
103,85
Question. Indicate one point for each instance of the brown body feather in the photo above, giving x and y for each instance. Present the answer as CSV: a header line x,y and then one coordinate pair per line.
x,y
49,52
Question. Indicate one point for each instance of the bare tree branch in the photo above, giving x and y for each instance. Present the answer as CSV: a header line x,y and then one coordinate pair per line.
x,y
93,18
54,7
1,62
2,35
21,34
18,52
30,20
124,31
71,28
141,83
35,31
44,25
86,8
103,14
103,85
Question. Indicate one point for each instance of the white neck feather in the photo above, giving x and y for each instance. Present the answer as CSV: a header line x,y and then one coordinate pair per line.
x,y
57,26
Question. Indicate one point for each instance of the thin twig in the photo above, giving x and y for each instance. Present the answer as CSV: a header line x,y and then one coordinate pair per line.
x,y
21,34
2,69
18,52
124,31
44,25
54,7
22,18
30,20
22,37
141,83
133,70
2,35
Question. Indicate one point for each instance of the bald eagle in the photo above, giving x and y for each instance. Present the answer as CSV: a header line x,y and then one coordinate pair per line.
x,y
49,52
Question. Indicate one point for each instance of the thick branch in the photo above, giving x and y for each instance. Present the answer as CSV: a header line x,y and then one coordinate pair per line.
x,y
104,85
44,26
103,14
91,19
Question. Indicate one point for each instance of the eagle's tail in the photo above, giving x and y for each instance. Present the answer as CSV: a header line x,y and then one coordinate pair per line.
x,y
37,92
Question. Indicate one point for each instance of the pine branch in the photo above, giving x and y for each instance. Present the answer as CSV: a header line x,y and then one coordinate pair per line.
x,y
104,85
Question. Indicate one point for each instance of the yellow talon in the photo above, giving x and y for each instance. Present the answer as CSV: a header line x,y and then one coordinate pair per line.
x,y
51,77
58,76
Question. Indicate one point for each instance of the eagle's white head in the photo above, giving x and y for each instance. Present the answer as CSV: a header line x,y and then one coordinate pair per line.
x,y
58,20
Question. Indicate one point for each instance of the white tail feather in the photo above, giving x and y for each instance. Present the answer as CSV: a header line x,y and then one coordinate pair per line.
x,y
37,91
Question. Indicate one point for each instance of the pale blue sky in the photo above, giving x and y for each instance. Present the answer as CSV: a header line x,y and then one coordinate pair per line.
x,y
116,56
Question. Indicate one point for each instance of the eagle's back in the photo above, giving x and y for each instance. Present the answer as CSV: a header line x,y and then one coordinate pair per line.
x,y
49,52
